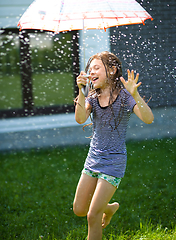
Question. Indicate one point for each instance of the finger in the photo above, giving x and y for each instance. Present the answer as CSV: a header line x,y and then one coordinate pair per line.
x,y
81,81
137,77
129,74
82,76
82,73
132,75
137,85
122,80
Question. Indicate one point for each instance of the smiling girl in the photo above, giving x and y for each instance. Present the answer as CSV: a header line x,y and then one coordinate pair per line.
x,y
111,102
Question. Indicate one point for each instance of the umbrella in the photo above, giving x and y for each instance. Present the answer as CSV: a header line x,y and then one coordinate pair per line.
x,y
67,15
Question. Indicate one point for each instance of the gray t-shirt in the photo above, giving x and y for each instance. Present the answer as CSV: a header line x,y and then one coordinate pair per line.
x,y
107,152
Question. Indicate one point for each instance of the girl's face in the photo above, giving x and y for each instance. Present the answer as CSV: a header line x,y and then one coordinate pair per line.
x,y
98,74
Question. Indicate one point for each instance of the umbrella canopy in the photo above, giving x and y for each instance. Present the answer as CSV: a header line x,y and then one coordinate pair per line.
x,y
67,15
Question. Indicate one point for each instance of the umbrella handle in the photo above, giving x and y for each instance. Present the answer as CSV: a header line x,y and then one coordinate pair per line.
x,y
84,54
85,90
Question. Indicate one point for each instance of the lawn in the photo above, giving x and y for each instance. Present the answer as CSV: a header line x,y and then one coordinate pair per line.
x,y
37,191
51,63
48,89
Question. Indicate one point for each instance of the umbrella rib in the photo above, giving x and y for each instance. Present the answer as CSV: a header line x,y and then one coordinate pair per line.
x,y
61,9
113,12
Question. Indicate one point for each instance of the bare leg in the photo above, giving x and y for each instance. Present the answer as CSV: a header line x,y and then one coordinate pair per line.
x,y
99,204
108,213
83,195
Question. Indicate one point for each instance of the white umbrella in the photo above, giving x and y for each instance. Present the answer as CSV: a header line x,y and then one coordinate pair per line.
x,y
67,15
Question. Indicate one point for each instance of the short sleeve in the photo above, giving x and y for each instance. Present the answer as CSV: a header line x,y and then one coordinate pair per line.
x,y
89,100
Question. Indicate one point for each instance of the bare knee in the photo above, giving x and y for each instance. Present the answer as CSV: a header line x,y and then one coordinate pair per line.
x,y
79,211
93,217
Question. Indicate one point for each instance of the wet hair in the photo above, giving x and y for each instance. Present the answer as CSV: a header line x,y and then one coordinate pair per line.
x,y
111,62
113,68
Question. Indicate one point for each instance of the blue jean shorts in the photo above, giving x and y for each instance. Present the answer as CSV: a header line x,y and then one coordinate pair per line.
x,y
113,180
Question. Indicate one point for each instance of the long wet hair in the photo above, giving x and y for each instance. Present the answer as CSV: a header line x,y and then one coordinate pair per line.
x,y
111,62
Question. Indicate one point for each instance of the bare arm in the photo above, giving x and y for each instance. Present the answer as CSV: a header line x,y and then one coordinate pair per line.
x,y
82,110
141,109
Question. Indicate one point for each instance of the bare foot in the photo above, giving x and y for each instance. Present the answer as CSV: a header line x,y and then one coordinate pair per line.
x,y
110,211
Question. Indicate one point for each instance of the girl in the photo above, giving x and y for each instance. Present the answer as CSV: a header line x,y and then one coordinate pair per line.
x,y
111,102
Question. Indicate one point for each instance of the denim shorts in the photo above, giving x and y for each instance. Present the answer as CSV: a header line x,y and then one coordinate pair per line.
x,y
113,180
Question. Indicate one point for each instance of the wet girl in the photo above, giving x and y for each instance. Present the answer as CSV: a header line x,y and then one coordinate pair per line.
x,y
111,102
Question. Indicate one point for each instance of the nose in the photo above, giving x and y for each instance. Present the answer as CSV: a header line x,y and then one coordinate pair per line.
x,y
91,72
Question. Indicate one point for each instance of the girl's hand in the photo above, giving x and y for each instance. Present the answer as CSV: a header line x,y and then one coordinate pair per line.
x,y
81,80
131,85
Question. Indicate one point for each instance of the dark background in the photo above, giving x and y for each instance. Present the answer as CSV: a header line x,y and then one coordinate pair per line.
x,y
150,50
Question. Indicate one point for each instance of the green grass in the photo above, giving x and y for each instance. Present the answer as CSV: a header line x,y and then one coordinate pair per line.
x,y
10,91
48,89
51,62
37,191
53,89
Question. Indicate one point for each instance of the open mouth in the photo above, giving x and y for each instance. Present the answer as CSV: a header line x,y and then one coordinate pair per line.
x,y
94,79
